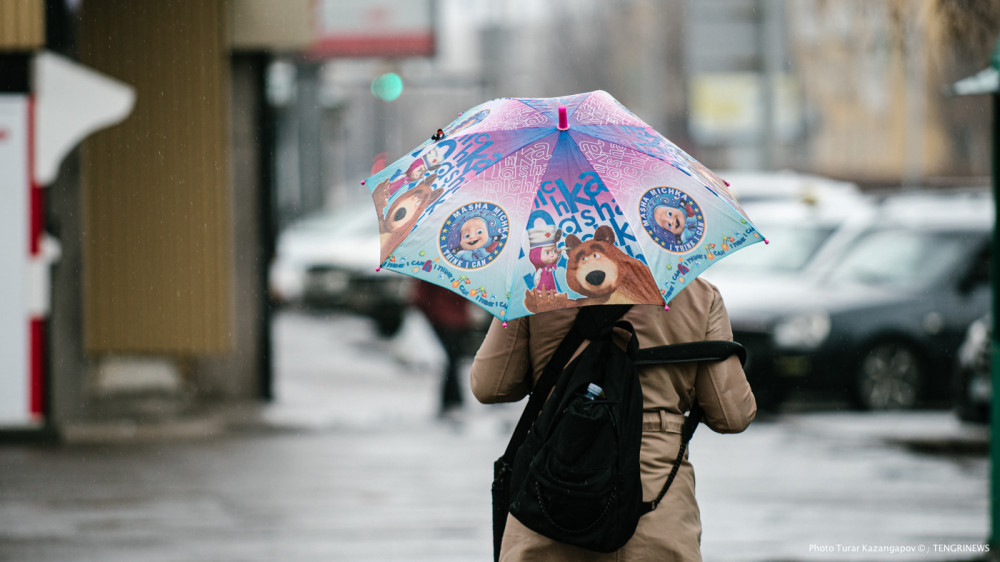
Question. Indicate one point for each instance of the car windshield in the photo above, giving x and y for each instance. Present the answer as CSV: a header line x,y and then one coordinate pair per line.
x,y
351,222
900,257
788,250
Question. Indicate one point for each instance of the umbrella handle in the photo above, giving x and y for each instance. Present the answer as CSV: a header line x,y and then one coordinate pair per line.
x,y
563,120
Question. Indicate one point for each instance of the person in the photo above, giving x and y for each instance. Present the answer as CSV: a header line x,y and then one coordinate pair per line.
x,y
511,359
543,253
449,316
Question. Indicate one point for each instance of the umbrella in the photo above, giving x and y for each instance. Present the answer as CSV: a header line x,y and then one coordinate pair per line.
x,y
524,205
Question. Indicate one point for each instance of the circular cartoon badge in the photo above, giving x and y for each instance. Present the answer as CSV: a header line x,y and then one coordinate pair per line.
x,y
474,235
672,219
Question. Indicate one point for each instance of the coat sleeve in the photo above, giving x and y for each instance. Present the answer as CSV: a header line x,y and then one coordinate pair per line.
x,y
721,387
500,371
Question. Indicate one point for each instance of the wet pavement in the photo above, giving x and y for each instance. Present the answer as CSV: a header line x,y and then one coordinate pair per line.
x,y
352,463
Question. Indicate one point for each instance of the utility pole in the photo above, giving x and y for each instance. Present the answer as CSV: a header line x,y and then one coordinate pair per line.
x,y
988,82
995,283
770,34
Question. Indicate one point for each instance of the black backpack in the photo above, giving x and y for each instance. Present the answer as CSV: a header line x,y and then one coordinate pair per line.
x,y
571,472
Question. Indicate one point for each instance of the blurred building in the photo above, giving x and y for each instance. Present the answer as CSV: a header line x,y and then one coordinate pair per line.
x,y
249,113
165,219
873,77
851,89
158,298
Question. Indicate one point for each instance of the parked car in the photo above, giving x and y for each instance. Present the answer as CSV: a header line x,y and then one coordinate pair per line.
x,y
973,376
328,260
881,321
805,226
750,186
800,232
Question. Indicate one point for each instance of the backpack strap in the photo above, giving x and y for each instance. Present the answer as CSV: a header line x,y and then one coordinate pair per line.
x,y
590,321
711,350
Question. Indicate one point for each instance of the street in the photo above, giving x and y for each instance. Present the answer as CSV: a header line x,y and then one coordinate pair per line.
x,y
351,463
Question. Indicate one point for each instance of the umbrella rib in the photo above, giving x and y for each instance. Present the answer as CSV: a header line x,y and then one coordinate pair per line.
x,y
663,159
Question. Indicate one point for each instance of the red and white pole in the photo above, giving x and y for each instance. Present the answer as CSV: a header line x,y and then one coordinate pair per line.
x,y
38,281
21,379
40,123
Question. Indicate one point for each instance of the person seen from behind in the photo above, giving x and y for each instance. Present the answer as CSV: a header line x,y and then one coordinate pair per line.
x,y
511,360
449,316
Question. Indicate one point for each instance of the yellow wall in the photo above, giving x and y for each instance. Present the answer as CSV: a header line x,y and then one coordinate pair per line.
x,y
22,24
157,245
873,91
271,24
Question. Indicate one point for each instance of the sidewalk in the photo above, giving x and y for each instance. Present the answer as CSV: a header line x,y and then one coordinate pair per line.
x,y
352,464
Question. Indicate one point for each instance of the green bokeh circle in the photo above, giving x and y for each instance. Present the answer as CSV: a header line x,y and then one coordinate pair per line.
x,y
387,87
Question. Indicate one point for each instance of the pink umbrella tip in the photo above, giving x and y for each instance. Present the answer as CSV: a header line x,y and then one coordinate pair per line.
x,y
362,182
766,241
563,119
504,323
378,268
666,307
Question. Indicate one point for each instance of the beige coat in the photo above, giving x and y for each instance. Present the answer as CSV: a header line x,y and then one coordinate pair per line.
x,y
673,530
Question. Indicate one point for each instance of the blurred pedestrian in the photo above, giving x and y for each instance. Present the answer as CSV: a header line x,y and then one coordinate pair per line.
x,y
511,360
449,316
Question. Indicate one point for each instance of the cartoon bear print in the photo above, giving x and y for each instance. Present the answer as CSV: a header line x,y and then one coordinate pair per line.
x,y
604,274
398,221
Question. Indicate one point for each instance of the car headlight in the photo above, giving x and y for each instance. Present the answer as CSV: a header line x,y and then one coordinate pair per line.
x,y
802,331
974,351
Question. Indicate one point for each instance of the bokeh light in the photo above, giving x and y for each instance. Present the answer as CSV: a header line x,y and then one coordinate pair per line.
x,y
388,86
379,163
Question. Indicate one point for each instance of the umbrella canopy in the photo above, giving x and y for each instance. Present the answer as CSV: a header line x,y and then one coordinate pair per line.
x,y
524,205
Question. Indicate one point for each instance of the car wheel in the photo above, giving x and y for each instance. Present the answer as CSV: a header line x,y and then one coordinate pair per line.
x,y
889,378
388,323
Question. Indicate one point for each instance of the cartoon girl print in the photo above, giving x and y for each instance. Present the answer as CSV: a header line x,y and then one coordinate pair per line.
x,y
672,219
416,171
544,253
474,235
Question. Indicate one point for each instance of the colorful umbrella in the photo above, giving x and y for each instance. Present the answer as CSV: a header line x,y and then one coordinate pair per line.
x,y
524,205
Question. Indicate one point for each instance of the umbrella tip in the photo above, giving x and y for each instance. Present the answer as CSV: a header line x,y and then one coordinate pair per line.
x,y
378,268
563,120
362,182
504,323
666,307
766,241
